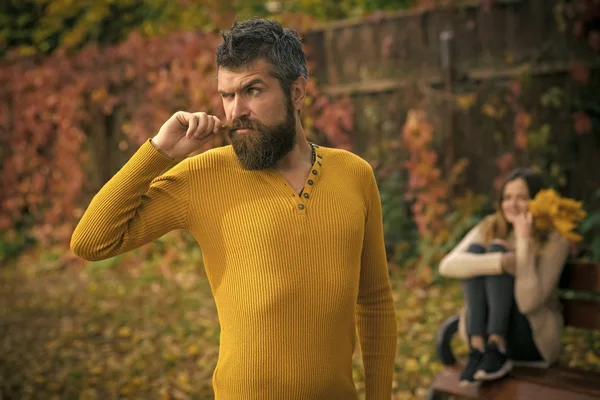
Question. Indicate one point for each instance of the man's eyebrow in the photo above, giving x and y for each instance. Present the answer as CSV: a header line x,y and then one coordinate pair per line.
x,y
246,86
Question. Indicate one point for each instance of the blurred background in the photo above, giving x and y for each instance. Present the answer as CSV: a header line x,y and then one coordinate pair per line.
x,y
443,98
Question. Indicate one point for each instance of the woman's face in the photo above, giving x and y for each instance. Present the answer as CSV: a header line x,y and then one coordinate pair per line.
x,y
515,199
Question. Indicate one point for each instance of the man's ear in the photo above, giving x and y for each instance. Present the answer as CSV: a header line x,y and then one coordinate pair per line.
x,y
298,92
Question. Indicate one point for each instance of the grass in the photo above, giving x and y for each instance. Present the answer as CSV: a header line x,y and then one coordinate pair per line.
x,y
131,330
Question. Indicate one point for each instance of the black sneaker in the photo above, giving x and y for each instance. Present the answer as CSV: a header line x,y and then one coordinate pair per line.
x,y
494,365
473,363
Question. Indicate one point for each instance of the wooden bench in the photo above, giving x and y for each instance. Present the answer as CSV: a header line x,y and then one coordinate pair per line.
x,y
554,383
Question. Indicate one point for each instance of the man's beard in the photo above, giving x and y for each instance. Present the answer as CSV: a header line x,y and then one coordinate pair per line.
x,y
265,145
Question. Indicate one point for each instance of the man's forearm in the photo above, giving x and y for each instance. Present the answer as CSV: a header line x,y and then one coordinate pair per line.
x,y
112,223
378,338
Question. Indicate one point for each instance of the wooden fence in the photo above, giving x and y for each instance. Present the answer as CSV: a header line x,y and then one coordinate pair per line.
x,y
389,64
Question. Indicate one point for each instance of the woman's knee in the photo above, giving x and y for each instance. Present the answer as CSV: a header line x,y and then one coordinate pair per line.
x,y
496,248
476,248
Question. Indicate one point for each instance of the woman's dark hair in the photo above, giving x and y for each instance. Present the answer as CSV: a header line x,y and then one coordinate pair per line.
x,y
254,39
533,180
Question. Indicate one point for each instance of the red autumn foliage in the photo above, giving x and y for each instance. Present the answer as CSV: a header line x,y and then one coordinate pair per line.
x,y
427,189
522,122
583,123
64,117
580,72
505,164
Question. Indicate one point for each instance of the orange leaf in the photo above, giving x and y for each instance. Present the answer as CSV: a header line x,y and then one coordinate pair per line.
x,y
594,40
520,140
583,123
505,161
580,72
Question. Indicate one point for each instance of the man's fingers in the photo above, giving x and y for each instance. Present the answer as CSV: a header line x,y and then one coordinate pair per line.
x,y
199,125
202,122
192,125
218,125
182,117
210,124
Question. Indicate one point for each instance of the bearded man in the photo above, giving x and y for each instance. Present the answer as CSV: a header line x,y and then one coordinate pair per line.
x,y
291,233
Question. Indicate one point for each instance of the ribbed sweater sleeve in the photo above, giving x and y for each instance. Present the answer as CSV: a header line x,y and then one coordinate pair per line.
x,y
136,206
376,319
461,264
537,273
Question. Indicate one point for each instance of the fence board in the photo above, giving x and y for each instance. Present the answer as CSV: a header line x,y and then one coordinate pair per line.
x,y
389,63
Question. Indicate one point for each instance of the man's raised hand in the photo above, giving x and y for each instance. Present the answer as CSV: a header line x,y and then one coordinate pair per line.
x,y
184,133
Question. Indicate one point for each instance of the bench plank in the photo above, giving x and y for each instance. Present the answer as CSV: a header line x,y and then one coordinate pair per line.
x,y
582,313
581,276
446,382
571,379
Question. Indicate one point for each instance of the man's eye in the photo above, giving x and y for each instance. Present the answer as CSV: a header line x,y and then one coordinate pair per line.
x,y
253,91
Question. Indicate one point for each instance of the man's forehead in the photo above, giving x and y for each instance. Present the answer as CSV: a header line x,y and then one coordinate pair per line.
x,y
227,78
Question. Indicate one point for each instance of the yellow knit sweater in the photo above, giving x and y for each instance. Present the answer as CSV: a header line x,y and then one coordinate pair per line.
x,y
291,276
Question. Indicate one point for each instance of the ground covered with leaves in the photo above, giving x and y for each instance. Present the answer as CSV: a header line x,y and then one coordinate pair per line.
x,y
124,329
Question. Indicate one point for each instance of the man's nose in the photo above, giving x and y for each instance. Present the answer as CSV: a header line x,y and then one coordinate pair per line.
x,y
240,108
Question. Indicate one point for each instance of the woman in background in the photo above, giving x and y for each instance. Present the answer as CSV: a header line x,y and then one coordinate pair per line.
x,y
510,273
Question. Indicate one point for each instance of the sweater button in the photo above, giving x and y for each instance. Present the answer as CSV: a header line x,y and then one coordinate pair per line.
x,y
306,195
310,182
301,206
314,171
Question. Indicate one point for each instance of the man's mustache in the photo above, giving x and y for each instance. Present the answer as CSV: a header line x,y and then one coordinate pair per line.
x,y
242,123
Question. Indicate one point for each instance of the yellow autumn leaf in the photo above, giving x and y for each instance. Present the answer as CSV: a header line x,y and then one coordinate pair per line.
x,y
411,365
465,101
572,236
492,111
138,381
404,395
96,370
592,358
551,211
563,225
426,274
509,57
99,94
193,350
125,331
413,302
183,378
164,394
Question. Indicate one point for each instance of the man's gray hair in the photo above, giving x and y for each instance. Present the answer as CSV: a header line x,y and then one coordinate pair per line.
x,y
258,38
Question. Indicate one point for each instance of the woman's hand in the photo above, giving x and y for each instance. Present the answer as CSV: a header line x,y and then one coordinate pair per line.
x,y
522,225
508,262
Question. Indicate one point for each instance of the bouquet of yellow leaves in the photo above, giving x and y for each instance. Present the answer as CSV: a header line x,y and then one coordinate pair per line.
x,y
550,211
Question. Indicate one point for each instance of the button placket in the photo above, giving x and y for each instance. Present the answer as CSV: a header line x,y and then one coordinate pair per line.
x,y
315,172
